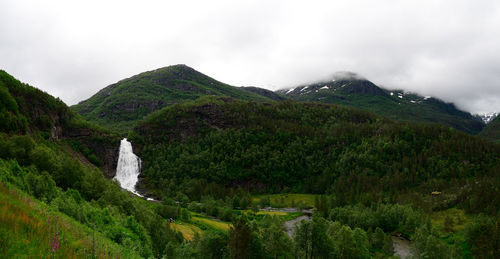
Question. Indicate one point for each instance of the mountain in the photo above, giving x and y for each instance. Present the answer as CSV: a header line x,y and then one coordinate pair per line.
x,y
26,110
350,89
264,92
300,147
487,117
492,130
120,105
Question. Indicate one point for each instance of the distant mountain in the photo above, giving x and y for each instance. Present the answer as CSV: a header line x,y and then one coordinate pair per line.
x,y
264,92
350,89
487,117
492,130
120,105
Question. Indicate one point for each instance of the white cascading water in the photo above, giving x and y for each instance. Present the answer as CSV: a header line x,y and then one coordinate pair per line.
x,y
129,167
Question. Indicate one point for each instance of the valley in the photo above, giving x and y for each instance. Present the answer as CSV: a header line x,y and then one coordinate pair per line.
x,y
172,163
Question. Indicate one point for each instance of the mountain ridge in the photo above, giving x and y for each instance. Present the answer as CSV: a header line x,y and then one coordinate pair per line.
x,y
120,105
354,90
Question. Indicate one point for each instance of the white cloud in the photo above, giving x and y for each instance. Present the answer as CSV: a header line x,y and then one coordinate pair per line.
x,y
71,49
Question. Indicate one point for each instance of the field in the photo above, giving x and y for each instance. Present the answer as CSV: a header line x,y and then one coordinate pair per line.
x,y
294,200
211,223
272,213
188,231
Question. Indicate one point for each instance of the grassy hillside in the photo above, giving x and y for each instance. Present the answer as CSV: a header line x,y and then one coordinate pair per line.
x,y
120,105
30,228
492,131
397,104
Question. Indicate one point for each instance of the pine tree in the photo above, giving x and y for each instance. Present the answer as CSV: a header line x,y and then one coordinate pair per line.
x,y
240,236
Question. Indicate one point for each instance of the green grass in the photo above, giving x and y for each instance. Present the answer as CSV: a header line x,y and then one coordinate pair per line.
x,y
188,230
272,213
287,200
456,234
458,217
28,229
211,223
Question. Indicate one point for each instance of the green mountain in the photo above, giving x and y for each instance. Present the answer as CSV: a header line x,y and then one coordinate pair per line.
x,y
120,105
492,130
347,88
27,110
301,147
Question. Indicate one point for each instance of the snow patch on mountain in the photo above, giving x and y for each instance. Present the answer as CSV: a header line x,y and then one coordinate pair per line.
x,y
488,117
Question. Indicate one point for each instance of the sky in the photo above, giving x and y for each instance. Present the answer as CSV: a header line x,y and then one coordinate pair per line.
x,y
71,49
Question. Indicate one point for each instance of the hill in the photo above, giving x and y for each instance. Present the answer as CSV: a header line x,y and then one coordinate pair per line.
x,y
492,130
120,105
302,147
27,110
350,89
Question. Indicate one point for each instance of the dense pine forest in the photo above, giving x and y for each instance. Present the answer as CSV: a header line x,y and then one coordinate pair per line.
x,y
225,172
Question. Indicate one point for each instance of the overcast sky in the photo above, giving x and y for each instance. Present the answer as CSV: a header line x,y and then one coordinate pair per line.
x,y
71,49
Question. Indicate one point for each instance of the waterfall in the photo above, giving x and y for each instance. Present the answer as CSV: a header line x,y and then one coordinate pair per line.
x,y
128,168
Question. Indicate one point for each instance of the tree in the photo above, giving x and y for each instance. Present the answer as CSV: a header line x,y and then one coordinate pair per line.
x,y
378,238
320,245
276,242
240,236
361,241
427,245
483,235
346,243
213,244
303,238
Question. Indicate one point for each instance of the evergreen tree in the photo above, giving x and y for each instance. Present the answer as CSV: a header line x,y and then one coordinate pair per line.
x,y
240,236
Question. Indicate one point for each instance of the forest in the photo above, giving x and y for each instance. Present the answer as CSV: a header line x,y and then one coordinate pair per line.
x,y
221,170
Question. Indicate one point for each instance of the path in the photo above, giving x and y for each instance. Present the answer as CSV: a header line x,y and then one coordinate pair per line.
x,y
290,225
401,247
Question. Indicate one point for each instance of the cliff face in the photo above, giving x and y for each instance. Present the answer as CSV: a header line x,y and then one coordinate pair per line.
x,y
104,148
27,110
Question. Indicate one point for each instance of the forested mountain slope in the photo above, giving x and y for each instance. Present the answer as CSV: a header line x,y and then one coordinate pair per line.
x,y
350,89
120,105
492,130
27,110
53,200
304,147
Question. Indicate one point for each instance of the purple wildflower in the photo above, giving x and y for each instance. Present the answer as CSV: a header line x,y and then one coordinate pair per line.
x,y
55,242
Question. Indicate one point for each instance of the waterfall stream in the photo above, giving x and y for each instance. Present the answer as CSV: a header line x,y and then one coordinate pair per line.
x,y
129,167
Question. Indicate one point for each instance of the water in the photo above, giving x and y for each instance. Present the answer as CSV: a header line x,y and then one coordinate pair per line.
x,y
129,167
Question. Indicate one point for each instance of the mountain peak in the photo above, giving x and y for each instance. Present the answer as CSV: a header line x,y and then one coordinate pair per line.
x,y
347,75
121,105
